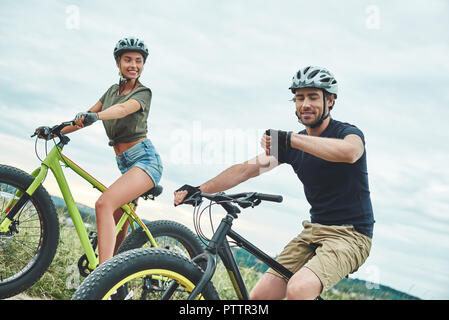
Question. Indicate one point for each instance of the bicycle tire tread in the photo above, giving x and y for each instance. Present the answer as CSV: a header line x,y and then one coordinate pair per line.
x,y
129,262
41,196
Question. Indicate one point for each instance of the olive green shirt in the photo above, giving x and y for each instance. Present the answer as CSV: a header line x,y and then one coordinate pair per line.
x,y
132,127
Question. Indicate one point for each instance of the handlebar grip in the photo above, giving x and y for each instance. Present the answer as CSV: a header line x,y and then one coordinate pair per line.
x,y
268,197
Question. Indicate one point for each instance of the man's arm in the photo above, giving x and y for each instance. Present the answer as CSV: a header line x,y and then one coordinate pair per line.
x,y
234,175
349,149
239,173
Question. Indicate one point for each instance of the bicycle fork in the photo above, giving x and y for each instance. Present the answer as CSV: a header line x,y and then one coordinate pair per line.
x,y
20,198
224,251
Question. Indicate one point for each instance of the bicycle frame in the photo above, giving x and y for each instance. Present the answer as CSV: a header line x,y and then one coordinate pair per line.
x,y
219,245
53,162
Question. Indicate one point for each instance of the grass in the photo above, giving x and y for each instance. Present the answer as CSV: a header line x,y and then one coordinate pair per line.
x,y
60,281
62,278
224,285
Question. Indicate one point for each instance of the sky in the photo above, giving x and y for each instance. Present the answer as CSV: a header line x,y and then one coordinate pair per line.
x,y
219,72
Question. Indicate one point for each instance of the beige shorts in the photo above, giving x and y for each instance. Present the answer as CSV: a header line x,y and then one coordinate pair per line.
x,y
341,250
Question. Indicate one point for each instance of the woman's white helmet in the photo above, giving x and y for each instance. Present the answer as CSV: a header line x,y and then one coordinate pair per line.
x,y
130,44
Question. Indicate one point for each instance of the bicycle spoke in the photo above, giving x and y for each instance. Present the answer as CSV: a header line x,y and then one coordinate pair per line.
x,y
18,246
170,290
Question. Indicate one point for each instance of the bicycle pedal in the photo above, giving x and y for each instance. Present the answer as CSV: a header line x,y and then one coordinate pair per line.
x,y
92,235
93,239
83,266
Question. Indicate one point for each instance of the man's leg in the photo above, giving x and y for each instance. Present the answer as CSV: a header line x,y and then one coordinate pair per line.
x,y
269,287
272,286
304,285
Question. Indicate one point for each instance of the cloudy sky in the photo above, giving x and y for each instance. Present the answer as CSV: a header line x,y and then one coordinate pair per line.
x,y
219,72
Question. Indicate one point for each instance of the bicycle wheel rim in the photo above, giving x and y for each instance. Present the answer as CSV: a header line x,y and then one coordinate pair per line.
x,y
181,280
19,251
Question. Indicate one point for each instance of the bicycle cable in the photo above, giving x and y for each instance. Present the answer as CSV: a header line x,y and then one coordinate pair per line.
x,y
37,155
59,151
197,215
35,150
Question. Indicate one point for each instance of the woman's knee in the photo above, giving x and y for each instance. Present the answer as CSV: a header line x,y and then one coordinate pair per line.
x,y
103,205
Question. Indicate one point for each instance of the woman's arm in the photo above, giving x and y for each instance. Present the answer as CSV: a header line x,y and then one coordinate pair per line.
x,y
117,111
120,110
95,109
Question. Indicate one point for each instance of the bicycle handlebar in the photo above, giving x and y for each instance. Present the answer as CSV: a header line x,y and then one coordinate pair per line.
x,y
269,197
48,133
243,199
221,196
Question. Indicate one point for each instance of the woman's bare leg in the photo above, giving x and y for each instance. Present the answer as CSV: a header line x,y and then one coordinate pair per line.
x,y
122,234
127,188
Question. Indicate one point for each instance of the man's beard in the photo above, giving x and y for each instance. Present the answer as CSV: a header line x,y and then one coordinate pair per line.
x,y
311,124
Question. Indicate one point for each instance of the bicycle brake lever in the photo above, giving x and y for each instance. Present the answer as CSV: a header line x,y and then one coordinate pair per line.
x,y
194,200
245,204
249,203
42,132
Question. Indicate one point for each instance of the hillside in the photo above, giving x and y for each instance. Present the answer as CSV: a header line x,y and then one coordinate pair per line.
x,y
348,288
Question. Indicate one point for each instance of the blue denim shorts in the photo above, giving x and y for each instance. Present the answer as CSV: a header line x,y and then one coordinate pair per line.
x,y
144,156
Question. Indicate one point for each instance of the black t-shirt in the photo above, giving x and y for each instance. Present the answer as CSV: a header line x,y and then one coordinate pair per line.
x,y
337,192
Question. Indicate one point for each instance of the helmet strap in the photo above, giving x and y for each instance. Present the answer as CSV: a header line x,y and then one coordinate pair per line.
x,y
324,115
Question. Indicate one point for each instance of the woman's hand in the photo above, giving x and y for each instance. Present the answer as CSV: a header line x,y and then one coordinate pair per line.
x,y
84,119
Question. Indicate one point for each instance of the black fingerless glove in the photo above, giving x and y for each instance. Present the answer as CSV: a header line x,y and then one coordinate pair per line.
x,y
280,140
193,194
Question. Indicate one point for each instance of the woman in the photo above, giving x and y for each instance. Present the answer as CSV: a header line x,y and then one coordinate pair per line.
x,y
124,111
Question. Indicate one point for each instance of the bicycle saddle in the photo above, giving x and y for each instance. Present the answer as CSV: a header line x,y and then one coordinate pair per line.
x,y
152,193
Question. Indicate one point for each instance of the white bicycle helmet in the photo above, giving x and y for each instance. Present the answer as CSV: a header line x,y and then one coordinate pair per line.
x,y
315,77
130,44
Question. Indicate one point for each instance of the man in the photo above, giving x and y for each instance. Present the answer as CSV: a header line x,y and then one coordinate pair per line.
x,y
329,158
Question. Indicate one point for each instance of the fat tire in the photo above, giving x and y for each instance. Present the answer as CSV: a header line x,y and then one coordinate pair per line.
x,y
49,231
138,238
108,274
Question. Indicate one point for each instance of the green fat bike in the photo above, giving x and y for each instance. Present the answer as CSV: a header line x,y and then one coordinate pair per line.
x,y
29,225
170,276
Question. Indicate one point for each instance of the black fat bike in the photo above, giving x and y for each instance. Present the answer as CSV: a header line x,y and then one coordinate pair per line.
x,y
168,275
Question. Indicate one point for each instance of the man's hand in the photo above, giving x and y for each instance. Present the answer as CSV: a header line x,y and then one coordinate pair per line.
x,y
184,192
277,139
